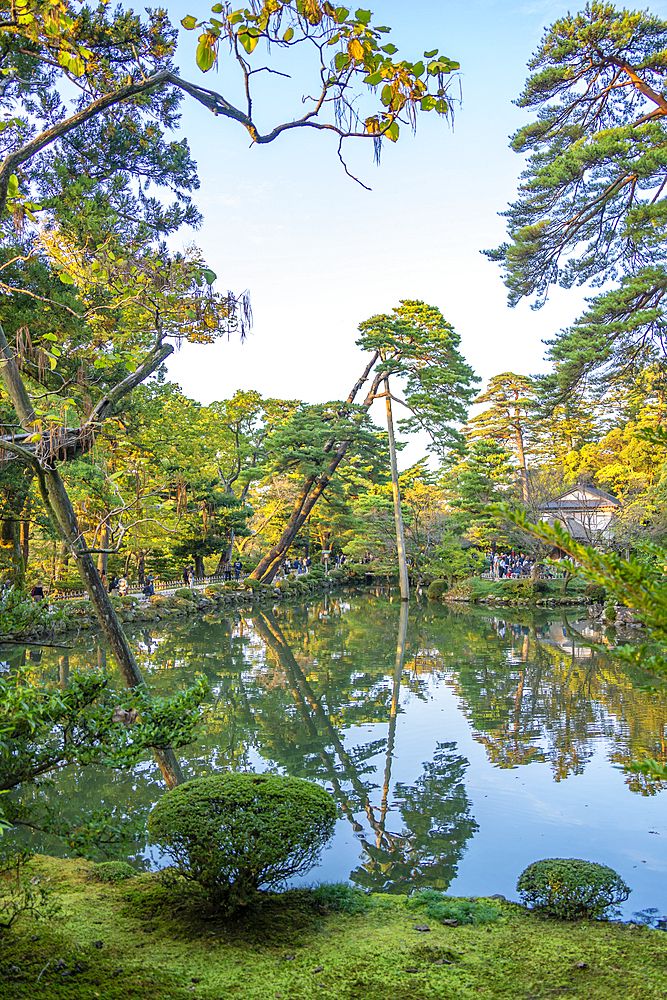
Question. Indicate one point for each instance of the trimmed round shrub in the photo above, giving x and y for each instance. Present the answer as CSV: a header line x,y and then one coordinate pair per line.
x,y
111,871
232,833
436,590
185,594
610,613
570,888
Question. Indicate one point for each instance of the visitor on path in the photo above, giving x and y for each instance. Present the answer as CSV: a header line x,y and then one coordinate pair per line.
x,y
186,575
37,592
113,586
226,570
237,569
123,586
149,585
309,563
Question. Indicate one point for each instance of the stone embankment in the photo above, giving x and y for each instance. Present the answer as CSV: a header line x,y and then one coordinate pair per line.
x,y
79,616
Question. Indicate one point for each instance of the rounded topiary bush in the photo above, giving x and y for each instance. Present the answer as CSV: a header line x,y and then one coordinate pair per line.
x,y
596,592
436,590
185,594
232,833
570,888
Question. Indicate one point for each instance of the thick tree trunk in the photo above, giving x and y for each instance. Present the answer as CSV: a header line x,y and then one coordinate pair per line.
x,y
312,490
61,506
200,571
64,519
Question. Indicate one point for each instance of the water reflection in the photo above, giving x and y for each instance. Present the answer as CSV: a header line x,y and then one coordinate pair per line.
x,y
319,691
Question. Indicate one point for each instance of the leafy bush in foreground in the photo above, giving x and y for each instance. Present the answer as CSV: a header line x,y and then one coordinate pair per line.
x,y
570,888
438,906
232,833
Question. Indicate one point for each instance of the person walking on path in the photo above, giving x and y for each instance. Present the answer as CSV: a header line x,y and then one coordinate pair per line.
x,y
237,569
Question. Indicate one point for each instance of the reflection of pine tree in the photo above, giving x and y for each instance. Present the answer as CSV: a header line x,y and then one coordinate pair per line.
x,y
437,824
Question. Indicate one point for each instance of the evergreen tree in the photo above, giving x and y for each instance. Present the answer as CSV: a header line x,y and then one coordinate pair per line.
x,y
512,399
592,204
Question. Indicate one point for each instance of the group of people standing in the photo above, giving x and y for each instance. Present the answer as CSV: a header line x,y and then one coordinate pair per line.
x,y
299,565
511,564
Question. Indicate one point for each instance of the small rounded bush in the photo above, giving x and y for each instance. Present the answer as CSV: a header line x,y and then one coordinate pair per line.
x,y
596,592
185,594
570,888
111,871
610,613
436,590
232,833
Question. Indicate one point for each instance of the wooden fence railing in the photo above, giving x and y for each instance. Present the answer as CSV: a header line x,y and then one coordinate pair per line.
x,y
136,589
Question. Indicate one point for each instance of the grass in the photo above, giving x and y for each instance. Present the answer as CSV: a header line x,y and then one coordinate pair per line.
x,y
146,939
495,588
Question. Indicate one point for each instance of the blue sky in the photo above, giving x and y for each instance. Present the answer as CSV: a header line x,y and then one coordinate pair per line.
x,y
319,254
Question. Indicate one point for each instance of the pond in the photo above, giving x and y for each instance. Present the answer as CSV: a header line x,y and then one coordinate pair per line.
x,y
460,747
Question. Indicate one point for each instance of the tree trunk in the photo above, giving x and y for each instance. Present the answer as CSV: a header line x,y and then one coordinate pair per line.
x,y
141,567
25,543
312,489
59,502
398,514
522,463
200,571
62,560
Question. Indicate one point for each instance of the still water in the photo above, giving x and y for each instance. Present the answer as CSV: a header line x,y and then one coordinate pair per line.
x,y
460,747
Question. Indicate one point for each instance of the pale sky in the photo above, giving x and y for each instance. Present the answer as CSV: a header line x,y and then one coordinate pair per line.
x,y
319,254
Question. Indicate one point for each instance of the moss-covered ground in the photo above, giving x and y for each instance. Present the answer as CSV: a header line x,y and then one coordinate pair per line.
x,y
141,939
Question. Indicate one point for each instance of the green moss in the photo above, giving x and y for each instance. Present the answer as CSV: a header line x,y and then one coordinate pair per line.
x,y
166,947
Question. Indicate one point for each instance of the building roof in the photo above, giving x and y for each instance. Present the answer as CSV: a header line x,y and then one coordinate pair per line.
x,y
581,497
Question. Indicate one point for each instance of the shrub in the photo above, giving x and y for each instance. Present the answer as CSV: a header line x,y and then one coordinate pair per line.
x,y
212,590
232,833
111,871
596,592
436,590
521,589
570,888
610,613
440,907
185,594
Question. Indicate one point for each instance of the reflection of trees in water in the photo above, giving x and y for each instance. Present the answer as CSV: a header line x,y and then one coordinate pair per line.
x,y
535,701
435,811
437,823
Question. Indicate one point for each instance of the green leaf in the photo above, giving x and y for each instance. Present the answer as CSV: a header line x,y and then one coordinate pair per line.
x,y
217,9
418,68
236,17
373,79
389,49
248,41
363,15
189,22
429,55
49,336
206,53
428,103
341,60
66,278
392,132
289,35
386,95
341,14
209,276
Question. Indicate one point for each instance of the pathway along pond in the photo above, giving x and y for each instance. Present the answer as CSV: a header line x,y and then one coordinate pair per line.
x,y
494,743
